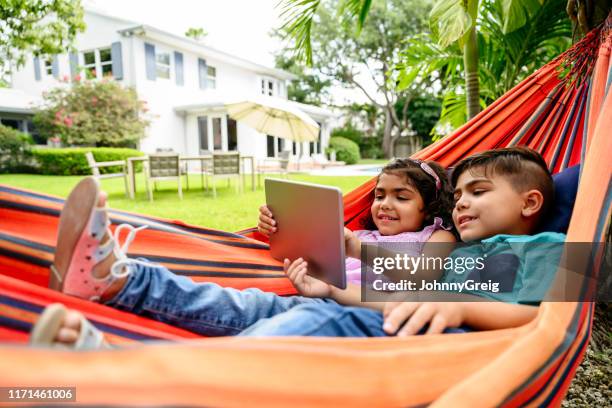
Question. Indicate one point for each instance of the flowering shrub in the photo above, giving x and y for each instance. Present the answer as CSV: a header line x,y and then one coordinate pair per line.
x,y
93,113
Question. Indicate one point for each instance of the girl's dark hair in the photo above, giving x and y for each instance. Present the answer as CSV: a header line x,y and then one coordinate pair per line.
x,y
438,203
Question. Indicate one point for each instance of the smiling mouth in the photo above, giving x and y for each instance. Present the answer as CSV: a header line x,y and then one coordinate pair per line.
x,y
464,219
386,218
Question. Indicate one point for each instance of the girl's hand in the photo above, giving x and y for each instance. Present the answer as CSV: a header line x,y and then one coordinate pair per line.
x,y
352,244
305,284
266,224
408,318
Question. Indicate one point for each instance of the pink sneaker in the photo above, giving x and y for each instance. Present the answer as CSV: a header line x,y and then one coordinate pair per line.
x,y
82,228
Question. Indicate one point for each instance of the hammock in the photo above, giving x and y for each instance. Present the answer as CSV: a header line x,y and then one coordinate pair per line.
x,y
563,110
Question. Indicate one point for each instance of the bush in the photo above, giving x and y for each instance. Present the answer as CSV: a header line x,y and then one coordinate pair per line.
x,y
346,150
72,161
371,148
92,113
15,154
348,131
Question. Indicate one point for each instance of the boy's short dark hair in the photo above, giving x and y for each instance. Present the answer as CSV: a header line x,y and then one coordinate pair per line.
x,y
524,167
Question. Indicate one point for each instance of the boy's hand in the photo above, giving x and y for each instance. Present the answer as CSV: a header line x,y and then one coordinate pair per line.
x,y
305,284
352,244
408,318
266,224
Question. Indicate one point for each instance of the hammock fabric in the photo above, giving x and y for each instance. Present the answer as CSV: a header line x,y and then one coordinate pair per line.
x,y
565,117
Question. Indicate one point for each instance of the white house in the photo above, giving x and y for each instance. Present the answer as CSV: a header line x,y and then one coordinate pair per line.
x,y
184,82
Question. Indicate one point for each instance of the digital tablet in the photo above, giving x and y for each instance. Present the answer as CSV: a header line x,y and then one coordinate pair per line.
x,y
310,224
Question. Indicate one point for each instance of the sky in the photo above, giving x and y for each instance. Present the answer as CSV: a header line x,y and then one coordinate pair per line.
x,y
236,26
240,27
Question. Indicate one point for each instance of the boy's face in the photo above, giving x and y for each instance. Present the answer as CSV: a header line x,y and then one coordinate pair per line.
x,y
486,206
397,207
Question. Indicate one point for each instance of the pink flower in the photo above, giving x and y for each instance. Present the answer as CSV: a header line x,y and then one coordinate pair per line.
x,y
68,121
65,78
77,78
94,101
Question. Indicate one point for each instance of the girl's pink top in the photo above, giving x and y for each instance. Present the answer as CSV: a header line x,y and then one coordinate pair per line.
x,y
418,240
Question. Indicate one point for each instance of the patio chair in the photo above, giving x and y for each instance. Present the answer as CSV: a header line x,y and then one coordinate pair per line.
x,y
278,165
96,166
225,166
162,167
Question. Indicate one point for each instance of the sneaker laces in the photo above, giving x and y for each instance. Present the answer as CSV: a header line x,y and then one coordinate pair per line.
x,y
121,267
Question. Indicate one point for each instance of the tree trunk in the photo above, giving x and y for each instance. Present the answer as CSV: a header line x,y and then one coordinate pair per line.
x,y
470,63
387,143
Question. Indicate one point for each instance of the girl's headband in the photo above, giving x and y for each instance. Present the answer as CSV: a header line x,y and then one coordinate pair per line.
x,y
427,169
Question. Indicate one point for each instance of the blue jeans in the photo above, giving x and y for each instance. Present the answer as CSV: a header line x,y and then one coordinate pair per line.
x,y
212,310
204,308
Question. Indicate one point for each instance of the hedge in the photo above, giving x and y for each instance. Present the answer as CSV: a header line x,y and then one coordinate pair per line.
x,y
346,150
72,161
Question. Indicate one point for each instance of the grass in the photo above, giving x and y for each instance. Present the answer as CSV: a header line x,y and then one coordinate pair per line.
x,y
230,211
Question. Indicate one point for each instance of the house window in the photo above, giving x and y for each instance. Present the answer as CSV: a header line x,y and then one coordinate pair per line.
x,y
162,65
267,87
97,63
106,62
49,67
270,146
232,135
211,77
203,132
280,145
217,136
294,148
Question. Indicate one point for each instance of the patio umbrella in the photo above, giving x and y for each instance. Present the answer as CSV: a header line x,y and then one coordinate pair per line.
x,y
275,117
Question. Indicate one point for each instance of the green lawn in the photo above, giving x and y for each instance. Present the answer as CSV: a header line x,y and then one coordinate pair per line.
x,y
230,211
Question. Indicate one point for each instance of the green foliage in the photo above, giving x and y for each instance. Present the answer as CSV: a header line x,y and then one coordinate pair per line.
x,y
371,147
423,113
450,20
197,33
298,16
14,150
93,113
72,161
348,131
505,58
346,150
40,27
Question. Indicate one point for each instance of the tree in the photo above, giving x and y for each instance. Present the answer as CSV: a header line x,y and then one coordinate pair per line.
x,y
93,113
197,34
354,59
40,27
308,88
505,58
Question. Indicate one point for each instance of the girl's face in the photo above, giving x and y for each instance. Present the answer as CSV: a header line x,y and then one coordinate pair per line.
x,y
398,207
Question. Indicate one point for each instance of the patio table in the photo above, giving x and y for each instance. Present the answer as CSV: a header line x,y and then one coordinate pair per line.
x,y
202,159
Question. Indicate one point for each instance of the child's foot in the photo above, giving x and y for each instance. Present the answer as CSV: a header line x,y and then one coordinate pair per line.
x,y
88,263
58,326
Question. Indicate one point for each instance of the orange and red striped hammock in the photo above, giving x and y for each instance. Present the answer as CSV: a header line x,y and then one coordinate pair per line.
x,y
566,117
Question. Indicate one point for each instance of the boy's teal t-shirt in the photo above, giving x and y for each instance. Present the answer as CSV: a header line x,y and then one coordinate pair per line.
x,y
524,266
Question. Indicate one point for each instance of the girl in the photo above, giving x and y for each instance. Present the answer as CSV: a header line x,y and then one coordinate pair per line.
x,y
411,202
